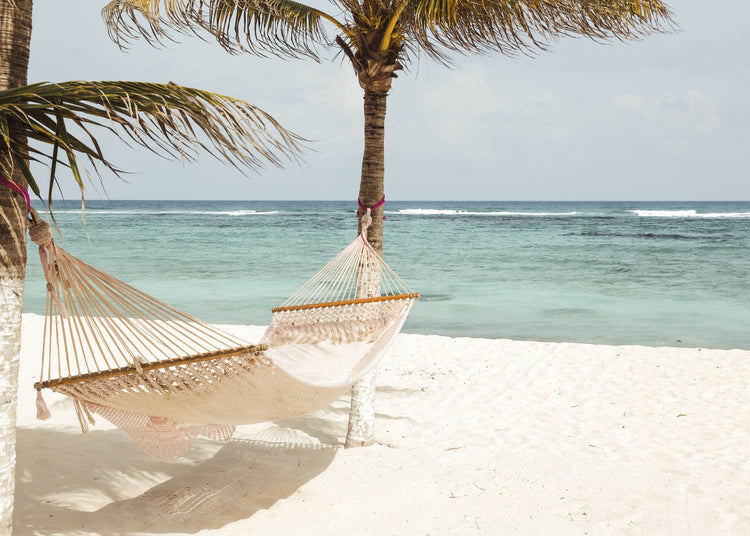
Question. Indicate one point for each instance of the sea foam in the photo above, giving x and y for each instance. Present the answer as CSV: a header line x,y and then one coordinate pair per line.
x,y
105,212
687,214
454,212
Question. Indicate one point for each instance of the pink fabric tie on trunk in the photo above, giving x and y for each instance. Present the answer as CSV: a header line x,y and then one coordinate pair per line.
x,y
363,207
13,186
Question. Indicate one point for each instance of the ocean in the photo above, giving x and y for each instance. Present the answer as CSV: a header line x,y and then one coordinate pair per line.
x,y
650,273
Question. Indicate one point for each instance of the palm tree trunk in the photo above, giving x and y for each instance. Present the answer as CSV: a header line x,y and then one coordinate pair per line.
x,y
371,191
371,186
15,35
11,300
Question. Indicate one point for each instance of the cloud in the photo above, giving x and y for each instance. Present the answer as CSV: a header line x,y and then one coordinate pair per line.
x,y
691,114
701,112
465,94
631,103
456,110
676,123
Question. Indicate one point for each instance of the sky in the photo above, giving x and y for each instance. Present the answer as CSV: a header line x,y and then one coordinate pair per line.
x,y
665,118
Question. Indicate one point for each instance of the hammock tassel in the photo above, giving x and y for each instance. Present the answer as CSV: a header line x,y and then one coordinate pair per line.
x,y
42,411
84,416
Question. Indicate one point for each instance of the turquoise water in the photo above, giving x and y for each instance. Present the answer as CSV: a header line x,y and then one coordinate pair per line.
x,y
650,273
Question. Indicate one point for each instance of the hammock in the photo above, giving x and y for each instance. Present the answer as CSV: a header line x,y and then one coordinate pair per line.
x,y
165,377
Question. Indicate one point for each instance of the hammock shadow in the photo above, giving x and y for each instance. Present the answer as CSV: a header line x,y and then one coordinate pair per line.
x,y
329,425
138,494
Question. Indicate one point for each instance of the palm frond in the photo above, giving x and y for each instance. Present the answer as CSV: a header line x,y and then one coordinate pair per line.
x,y
439,27
169,120
263,27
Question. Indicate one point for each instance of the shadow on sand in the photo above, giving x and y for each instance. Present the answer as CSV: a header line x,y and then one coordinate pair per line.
x,y
127,492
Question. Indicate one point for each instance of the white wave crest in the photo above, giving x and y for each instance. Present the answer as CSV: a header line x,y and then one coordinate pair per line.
x,y
453,212
106,212
687,214
244,213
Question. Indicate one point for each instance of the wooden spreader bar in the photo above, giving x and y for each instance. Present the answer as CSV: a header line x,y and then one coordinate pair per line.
x,y
344,302
164,363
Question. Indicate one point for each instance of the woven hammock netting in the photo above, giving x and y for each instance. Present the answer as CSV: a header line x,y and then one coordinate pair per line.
x,y
165,377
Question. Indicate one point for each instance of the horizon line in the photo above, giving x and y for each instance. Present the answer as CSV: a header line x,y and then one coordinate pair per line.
x,y
62,200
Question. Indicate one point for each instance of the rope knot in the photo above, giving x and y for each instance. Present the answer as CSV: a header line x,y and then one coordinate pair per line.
x,y
365,221
40,233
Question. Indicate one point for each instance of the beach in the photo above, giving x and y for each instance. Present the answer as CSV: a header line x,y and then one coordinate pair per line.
x,y
472,436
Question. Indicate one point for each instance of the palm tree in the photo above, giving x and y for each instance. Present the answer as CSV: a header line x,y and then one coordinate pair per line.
x,y
379,37
35,124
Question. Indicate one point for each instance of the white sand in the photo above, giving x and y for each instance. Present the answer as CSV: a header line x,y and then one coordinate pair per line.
x,y
473,436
